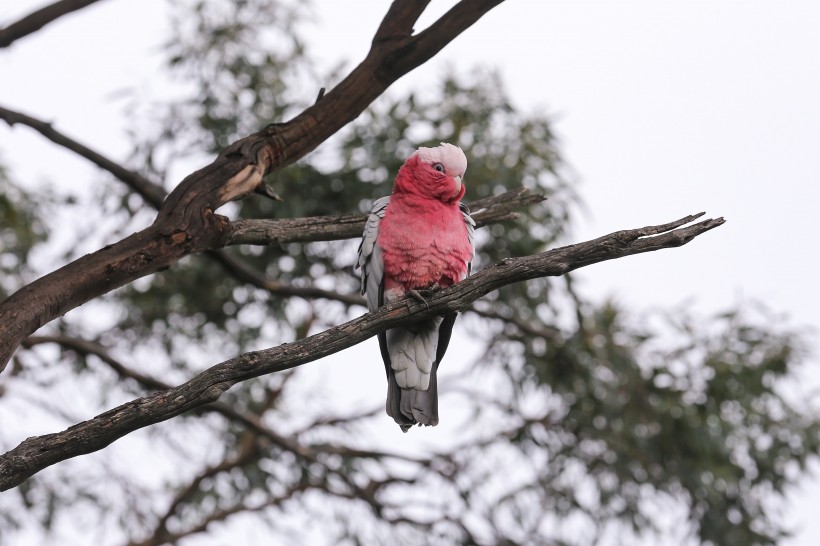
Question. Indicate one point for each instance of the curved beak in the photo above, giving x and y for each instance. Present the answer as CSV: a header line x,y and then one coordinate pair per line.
x,y
458,183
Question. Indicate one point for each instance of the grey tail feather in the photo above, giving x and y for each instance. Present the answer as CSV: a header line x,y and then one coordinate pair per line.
x,y
408,407
394,398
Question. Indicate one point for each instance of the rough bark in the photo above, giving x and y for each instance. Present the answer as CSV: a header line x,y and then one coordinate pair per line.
x,y
186,222
36,453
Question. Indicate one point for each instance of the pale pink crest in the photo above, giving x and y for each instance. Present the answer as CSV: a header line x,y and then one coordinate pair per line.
x,y
449,155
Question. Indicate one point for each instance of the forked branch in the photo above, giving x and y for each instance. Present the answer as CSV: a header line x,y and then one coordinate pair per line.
x,y
186,222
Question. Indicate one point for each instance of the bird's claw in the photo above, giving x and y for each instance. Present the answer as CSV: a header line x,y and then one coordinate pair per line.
x,y
416,295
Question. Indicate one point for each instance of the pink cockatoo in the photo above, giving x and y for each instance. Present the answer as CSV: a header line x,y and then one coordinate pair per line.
x,y
418,239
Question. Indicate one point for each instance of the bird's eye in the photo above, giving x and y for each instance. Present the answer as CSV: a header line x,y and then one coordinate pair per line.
x,y
439,167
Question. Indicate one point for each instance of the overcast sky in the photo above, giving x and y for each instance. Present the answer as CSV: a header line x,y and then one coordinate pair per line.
x,y
663,109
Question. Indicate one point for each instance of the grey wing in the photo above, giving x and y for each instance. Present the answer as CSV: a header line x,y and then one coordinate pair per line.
x,y
470,223
370,255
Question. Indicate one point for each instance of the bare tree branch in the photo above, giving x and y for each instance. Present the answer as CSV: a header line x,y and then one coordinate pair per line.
x,y
36,20
538,331
37,453
248,452
224,514
252,421
186,222
85,347
247,274
488,210
154,195
152,192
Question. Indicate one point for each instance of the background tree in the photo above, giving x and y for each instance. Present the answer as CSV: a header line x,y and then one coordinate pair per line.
x,y
596,422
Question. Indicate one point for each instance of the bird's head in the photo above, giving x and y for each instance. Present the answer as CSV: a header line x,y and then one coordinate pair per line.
x,y
435,173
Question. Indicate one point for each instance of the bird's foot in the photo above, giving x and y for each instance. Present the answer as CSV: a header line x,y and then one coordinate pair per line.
x,y
424,294
416,295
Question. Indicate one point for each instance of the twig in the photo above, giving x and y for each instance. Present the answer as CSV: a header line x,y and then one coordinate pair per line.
x,y
36,20
161,538
537,330
152,192
247,454
240,270
85,347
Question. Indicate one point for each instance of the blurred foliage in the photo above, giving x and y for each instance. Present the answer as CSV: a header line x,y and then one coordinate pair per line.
x,y
597,425
21,228
696,415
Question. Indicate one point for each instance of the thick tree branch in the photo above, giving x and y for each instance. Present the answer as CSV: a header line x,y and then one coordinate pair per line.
x,y
85,347
187,223
37,453
251,421
486,211
36,20
154,194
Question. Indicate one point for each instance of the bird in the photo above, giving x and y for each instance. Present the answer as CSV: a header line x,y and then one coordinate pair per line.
x,y
417,240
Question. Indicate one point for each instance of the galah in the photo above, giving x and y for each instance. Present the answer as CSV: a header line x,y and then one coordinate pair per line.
x,y
417,240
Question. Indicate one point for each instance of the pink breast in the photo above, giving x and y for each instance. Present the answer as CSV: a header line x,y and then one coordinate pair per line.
x,y
419,252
